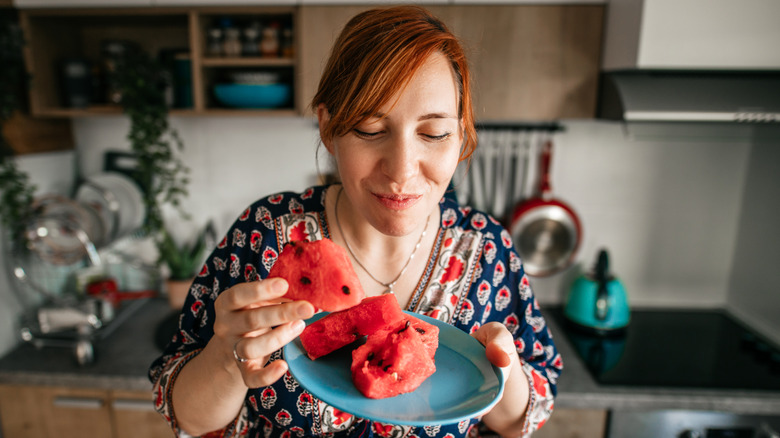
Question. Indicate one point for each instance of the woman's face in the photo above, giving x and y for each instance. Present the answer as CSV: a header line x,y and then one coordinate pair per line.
x,y
396,166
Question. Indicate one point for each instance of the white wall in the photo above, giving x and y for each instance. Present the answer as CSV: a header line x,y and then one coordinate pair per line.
x,y
754,293
668,210
233,160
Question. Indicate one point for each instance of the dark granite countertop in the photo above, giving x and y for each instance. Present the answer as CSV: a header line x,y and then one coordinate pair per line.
x,y
123,358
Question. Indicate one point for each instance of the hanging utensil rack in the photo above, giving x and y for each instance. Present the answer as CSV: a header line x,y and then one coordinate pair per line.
x,y
501,171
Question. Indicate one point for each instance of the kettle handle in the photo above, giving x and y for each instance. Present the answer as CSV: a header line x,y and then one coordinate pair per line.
x,y
602,277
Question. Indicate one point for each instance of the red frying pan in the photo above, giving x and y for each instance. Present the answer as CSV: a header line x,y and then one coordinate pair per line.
x,y
545,230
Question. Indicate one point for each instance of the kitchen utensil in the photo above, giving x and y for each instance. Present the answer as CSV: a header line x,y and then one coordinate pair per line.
x,y
62,231
253,95
107,289
546,231
117,199
435,401
597,301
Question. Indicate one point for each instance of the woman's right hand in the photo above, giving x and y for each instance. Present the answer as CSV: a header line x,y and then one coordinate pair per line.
x,y
255,320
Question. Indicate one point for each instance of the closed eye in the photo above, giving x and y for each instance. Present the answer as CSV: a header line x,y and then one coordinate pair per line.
x,y
438,137
364,134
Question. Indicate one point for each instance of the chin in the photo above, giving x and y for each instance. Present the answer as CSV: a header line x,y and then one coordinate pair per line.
x,y
401,223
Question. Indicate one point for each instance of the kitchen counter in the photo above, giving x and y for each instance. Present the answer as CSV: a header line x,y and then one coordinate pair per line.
x,y
123,358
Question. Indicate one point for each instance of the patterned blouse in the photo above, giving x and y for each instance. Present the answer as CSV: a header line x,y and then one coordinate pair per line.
x,y
473,276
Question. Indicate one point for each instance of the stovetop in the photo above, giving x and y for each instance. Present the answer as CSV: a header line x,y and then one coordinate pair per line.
x,y
678,348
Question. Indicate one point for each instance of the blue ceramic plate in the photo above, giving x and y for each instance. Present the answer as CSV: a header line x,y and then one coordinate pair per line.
x,y
465,384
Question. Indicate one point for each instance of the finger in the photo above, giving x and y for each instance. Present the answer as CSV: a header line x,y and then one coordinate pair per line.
x,y
259,318
498,343
254,293
497,356
258,348
258,376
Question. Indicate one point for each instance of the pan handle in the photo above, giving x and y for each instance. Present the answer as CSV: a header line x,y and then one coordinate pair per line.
x,y
544,181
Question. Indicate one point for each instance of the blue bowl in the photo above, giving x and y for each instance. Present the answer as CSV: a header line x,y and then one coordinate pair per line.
x,y
253,95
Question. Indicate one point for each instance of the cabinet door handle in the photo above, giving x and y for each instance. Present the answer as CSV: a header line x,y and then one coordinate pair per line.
x,y
133,405
78,402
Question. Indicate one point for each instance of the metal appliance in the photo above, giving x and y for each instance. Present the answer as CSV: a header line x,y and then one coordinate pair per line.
x,y
54,264
690,348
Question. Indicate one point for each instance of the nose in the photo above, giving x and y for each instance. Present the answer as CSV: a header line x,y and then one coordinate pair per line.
x,y
401,160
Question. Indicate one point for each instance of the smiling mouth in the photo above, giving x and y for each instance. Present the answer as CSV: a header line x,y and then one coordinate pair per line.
x,y
397,202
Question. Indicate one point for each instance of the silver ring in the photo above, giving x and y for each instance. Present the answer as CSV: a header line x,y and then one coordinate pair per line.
x,y
239,359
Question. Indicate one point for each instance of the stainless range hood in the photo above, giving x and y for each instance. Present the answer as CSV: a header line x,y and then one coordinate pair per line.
x,y
638,95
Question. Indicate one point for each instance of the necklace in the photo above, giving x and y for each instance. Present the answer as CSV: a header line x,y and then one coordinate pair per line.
x,y
389,285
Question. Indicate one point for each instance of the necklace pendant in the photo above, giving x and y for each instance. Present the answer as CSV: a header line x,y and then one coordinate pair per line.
x,y
388,291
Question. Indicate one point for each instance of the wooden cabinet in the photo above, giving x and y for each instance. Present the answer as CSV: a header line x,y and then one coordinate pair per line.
x,y
56,35
529,62
28,135
134,416
48,412
77,3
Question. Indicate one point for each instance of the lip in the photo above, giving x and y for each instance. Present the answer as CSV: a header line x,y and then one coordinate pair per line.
x,y
397,201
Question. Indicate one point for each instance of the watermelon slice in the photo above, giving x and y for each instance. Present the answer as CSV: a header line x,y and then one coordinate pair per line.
x,y
429,334
393,362
319,272
338,329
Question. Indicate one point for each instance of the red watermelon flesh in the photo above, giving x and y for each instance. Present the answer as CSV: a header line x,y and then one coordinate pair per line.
x,y
338,329
391,363
319,272
429,334
328,334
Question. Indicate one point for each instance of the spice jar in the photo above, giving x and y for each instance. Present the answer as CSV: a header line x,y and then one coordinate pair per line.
x,y
232,45
269,45
251,37
214,44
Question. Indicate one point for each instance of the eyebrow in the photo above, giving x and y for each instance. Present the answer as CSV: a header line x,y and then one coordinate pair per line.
x,y
429,116
437,116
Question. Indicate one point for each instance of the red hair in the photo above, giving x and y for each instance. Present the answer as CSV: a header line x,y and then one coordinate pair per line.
x,y
374,57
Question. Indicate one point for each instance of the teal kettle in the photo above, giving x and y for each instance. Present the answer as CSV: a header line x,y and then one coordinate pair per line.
x,y
597,301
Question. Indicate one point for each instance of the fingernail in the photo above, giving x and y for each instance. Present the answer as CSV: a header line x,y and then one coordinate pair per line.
x,y
304,311
298,326
279,286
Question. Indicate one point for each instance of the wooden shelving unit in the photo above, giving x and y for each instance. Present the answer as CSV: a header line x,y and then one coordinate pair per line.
x,y
57,34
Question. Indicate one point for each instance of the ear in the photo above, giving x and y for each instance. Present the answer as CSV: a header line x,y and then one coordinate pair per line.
x,y
323,117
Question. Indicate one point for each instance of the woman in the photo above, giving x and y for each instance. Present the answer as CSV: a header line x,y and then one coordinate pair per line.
x,y
394,112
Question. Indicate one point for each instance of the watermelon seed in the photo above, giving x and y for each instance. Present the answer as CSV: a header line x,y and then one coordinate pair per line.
x,y
419,330
396,376
370,356
305,280
386,368
379,364
405,327
345,289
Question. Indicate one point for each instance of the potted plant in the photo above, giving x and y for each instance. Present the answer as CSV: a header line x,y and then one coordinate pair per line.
x,y
139,81
17,191
163,177
183,262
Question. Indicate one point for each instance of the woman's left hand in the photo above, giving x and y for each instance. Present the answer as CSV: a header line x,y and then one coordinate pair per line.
x,y
499,344
507,418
